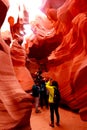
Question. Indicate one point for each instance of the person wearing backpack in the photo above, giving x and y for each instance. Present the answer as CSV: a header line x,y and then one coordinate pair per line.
x,y
52,87
36,95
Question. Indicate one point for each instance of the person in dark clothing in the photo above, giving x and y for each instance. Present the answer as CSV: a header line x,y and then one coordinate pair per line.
x,y
43,94
36,95
50,85
38,77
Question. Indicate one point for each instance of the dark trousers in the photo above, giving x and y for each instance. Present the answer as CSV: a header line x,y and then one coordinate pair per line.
x,y
43,100
54,108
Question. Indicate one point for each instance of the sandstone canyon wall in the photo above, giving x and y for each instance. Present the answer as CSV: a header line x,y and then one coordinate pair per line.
x,y
61,50
15,103
58,46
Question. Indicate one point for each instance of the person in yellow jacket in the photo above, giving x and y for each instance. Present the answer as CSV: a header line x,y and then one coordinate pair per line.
x,y
50,85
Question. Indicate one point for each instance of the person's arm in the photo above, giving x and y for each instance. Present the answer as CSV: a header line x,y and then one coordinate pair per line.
x,y
48,86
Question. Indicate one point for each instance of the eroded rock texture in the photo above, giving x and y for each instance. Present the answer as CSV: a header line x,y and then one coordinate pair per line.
x,y
58,46
15,103
62,51
18,56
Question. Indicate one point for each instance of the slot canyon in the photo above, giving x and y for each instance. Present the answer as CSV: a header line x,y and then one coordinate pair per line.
x,y
54,35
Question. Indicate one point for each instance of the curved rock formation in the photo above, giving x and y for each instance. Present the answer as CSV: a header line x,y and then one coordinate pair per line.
x,y
15,104
18,56
65,60
58,43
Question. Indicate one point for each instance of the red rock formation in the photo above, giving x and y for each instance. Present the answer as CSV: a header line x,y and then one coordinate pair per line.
x,y
67,62
72,54
23,75
59,44
15,104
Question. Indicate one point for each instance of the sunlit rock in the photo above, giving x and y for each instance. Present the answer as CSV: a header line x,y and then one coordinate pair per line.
x,y
15,103
57,44
18,56
67,61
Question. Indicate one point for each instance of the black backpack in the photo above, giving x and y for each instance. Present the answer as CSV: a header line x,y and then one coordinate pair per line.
x,y
56,96
35,91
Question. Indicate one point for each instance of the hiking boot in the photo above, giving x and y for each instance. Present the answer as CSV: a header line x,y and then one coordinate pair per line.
x,y
51,124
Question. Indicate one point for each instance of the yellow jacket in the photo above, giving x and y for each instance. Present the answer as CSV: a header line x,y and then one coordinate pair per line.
x,y
50,89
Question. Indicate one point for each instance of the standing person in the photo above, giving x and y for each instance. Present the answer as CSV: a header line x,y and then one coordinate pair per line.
x,y
51,86
43,94
36,95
